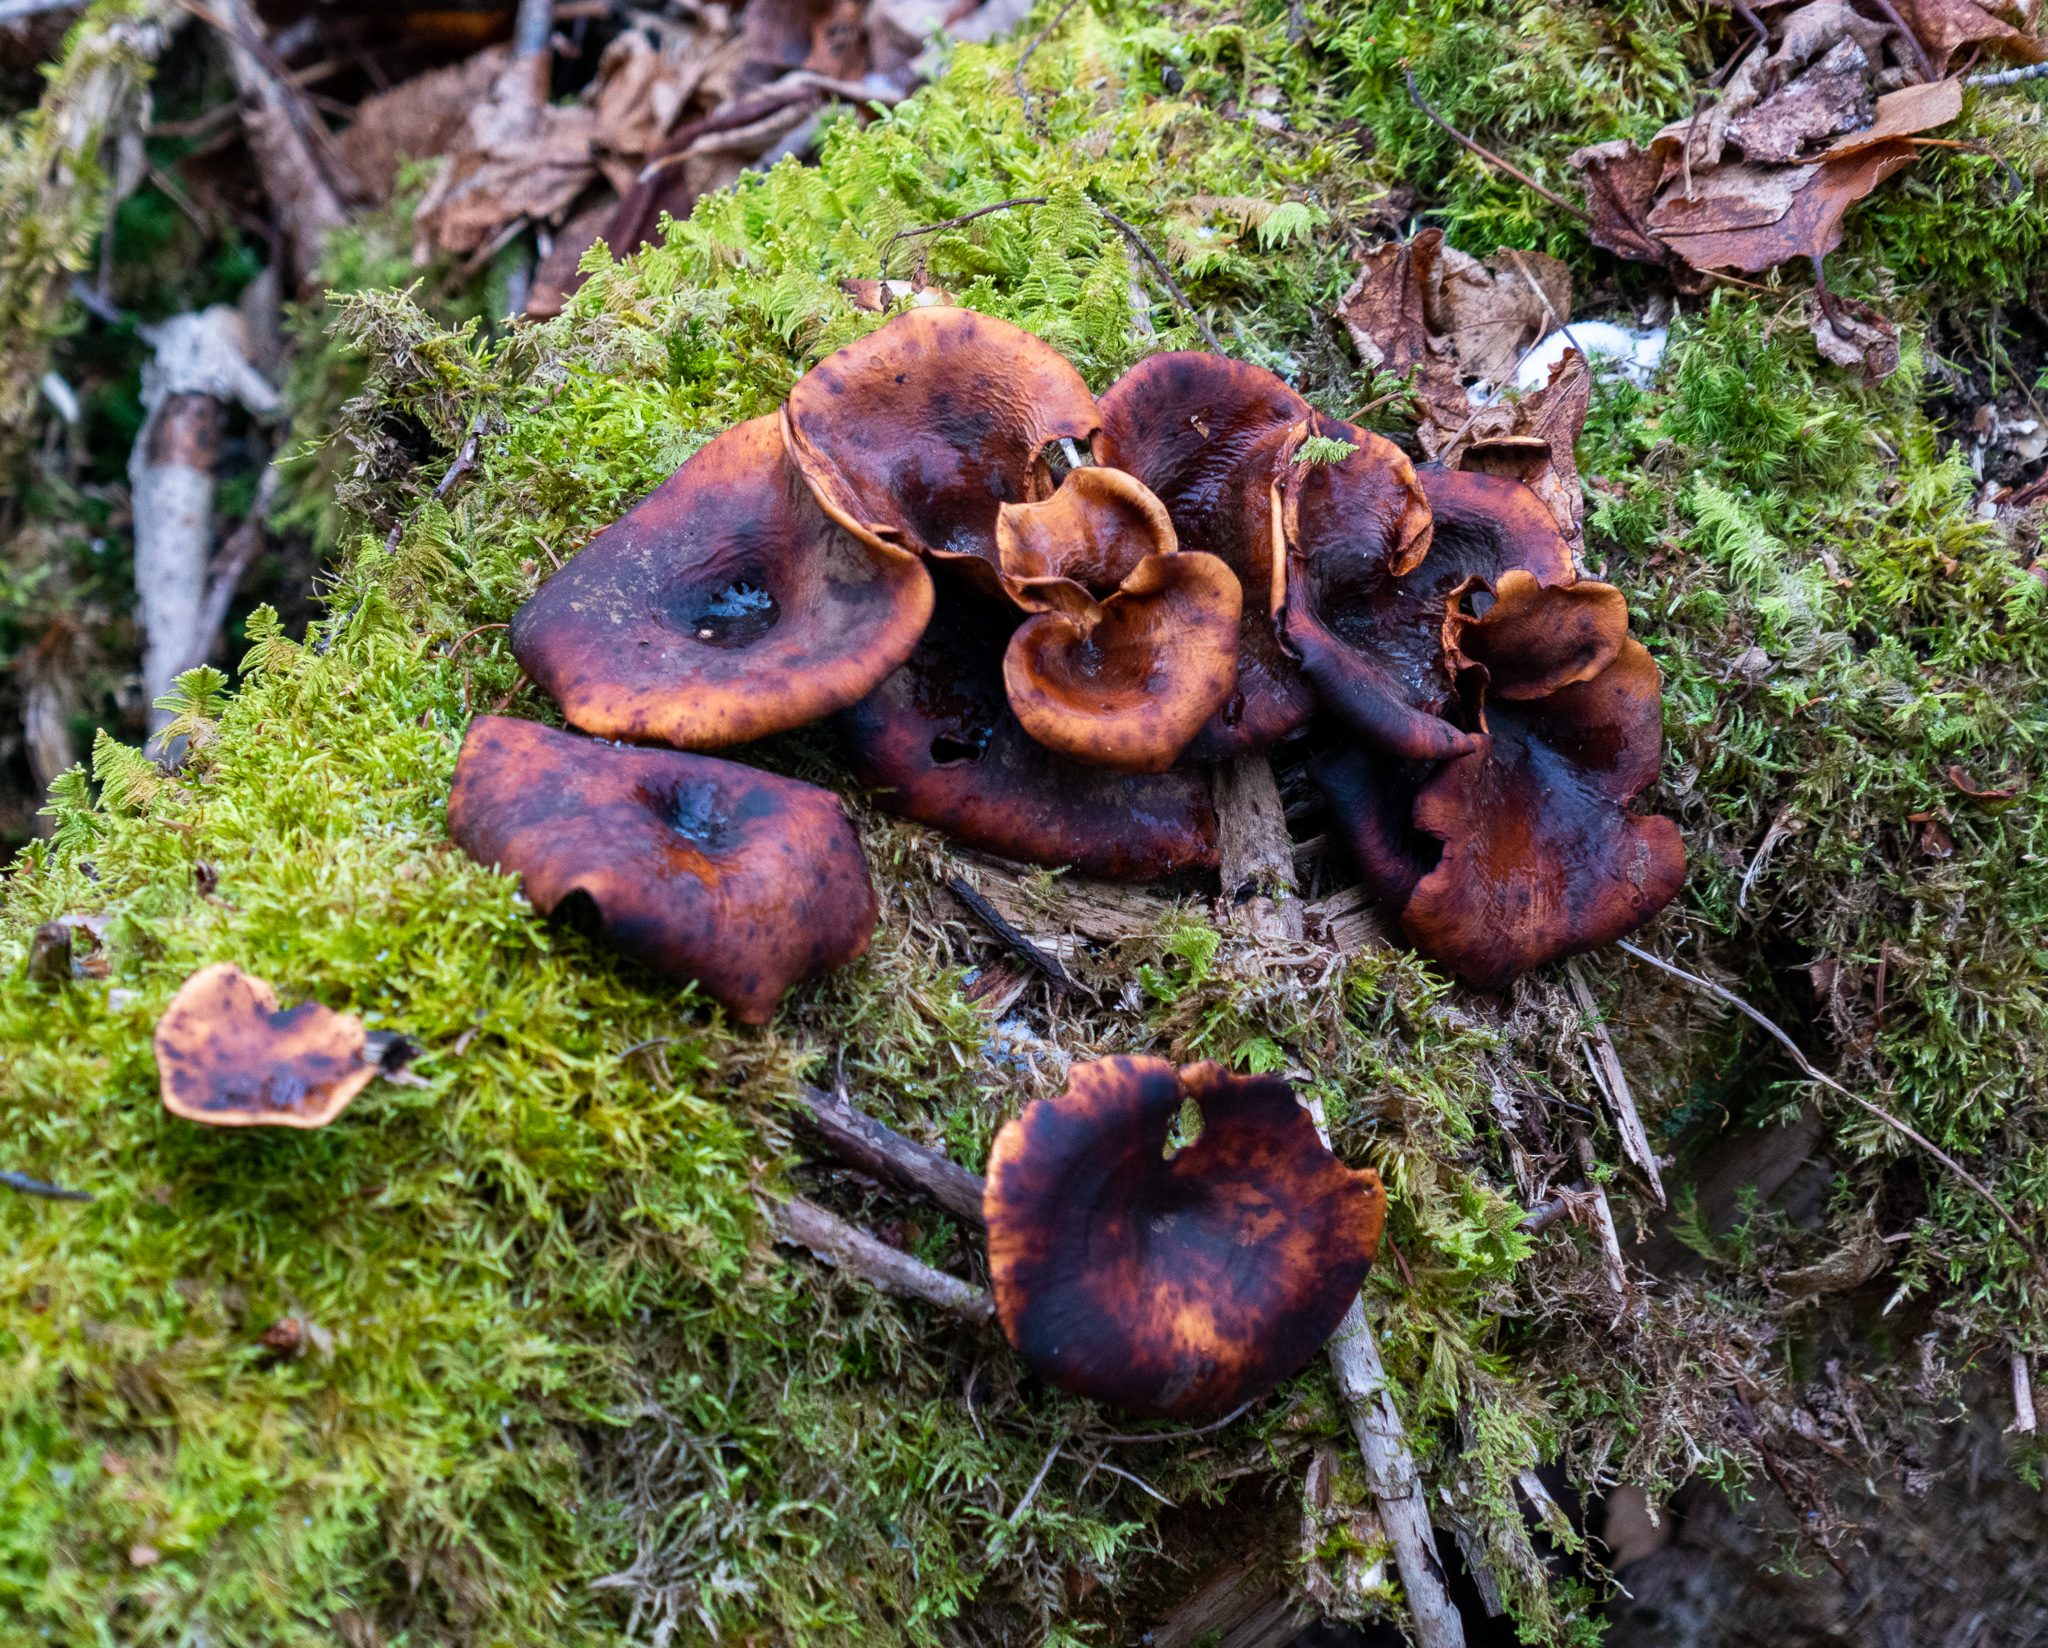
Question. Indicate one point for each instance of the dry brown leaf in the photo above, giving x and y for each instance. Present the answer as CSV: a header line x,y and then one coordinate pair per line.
x,y
1904,113
516,162
642,90
421,119
1533,439
1834,96
1946,26
1491,313
1753,218
1621,186
555,277
1850,333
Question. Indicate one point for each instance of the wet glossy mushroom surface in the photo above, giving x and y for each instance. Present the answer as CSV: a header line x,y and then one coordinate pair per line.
x,y
1182,1284
938,743
226,1056
723,607
742,880
915,435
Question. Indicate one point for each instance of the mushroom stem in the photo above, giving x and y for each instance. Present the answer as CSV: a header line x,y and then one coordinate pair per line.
x,y
862,1142
1259,898
847,1247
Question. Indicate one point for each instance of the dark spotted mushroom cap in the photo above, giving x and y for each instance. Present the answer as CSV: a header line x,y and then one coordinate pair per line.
x,y
227,1057
1173,1285
1134,643
939,744
914,436
739,879
723,607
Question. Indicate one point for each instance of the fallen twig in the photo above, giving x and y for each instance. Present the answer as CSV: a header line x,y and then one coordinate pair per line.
x,y
832,1240
1612,1081
2008,77
1921,60
42,1187
1031,114
2019,1231
881,1152
224,576
2023,1418
1415,96
465,461
992,918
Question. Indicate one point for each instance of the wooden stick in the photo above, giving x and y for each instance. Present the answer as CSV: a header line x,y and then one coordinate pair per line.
x,y
881,1152
832,1240
1608,1076
1259,898
2023,1419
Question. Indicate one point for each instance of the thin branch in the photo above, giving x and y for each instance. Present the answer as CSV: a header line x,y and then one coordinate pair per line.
x,y
43,1188
1214,1425
889,245
1415,96
232,563
2009,77
2019,1231
993,919
1921,60
1136,1481
1139,245
1031,114
883,1153
844,1246
465,461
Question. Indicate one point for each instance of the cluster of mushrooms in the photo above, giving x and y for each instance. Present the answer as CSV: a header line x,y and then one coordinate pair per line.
x,y
1042,660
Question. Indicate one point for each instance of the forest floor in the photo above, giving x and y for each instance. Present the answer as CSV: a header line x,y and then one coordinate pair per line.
x,y
550,1376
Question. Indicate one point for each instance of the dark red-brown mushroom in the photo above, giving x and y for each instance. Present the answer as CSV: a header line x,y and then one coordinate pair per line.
x,y
1373,643
723,607
938,743
227,1057
914,436
742,880
1134,646
1173,1284
1212,437
1541,855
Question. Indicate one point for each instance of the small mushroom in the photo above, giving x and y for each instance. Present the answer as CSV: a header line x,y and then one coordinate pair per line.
x,y
744,881
1374,643
227,1057
723,607
1173,1283
939,744
1211,437
1134,646
913,437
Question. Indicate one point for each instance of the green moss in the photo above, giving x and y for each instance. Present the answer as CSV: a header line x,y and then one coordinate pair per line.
x,y
571,1392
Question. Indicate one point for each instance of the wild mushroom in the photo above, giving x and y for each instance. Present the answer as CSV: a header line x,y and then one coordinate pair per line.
x,y
1524,849
226,1056
1210,437
1174,1283
723,607
1134,645
914,437
1371,635
744,881
939,744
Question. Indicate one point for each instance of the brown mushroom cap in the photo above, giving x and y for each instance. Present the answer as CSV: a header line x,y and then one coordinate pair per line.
x,y
227,1057
1532,638
1541,856
1373,795
915,435
940,744
723,607
1173,1285
1135,645
1374,644
739,879
1210,436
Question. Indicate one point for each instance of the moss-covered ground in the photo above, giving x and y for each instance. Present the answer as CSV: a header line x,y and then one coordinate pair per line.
x,y
564,1388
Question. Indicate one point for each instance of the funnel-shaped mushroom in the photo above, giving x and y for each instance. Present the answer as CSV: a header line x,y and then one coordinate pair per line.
x,y
227,1057
1135,642
739,879
1211,438
1173,1285
1523,849
1541,856
913,437
723,607
1374,644
939,743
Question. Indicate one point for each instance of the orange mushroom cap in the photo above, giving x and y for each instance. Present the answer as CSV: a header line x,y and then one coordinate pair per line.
x,y
1135,644
913,437
1210,436
723,607
742,880
1173,1285
227,1057
939,743
1375,644
1541,856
